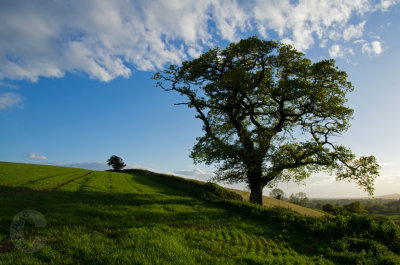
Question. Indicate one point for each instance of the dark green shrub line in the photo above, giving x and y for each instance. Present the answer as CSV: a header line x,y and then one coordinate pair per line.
x,y
359,236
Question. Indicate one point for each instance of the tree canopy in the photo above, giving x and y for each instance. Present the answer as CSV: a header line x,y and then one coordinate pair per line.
x,y
277,194
116,162
299,198
269,114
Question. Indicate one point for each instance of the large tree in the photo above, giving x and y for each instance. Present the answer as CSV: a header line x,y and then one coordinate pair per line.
x,y
269,114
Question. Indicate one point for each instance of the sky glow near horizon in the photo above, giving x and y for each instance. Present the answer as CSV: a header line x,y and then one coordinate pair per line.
x,y
76,88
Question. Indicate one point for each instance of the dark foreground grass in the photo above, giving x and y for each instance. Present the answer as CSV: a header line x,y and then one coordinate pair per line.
x,y
121,218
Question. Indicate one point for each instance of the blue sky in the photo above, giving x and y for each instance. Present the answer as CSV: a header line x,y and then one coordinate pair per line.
x,y
76,88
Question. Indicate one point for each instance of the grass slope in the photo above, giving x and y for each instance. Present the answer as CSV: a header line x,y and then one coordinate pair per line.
x,y
196,185
140,218
272,202
35,176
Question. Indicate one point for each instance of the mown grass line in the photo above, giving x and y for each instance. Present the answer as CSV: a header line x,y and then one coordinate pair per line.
x,y
48,177
48,188
6,244
17,174
53,187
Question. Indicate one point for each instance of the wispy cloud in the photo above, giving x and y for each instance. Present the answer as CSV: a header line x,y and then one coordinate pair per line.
x,y
8,85
353,31
195,173
338,51
100,165
389,163
34,156
384,5
107,39
9,100
89,165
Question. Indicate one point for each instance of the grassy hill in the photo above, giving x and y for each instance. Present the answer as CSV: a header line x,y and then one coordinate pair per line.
x,y
139,217
243,195
394,196
272,202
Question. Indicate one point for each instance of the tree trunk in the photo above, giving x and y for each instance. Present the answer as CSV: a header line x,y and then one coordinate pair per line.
x,y
255,185
256,194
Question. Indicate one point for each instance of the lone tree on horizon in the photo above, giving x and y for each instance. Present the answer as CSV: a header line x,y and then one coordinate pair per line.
x,y
269,115
277,194
116,162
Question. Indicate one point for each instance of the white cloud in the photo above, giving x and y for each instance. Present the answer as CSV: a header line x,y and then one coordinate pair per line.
x,y
338,51
195,174
34,156
385,4
107,39
353,31
372,48
304,20
9,100
230,19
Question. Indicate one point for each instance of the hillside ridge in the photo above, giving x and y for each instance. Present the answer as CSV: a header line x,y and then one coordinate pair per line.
x,y
268,202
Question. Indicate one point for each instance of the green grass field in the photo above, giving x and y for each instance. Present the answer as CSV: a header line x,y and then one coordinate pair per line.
x,y
131,218
36,176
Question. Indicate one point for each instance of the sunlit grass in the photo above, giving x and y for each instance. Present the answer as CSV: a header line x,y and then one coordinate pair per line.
x,y
272,202
35,176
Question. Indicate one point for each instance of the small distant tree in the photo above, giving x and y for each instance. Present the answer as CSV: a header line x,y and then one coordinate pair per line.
x,y
299,198
116,162
329,208
355,207
277,194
